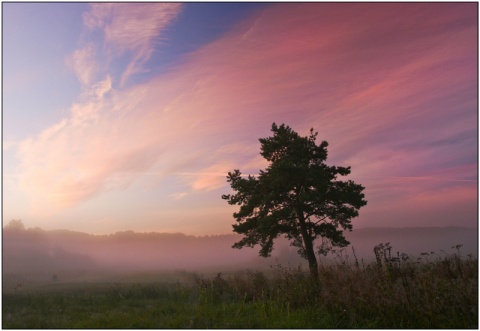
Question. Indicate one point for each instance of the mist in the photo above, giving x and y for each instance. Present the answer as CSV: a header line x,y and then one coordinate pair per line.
x,y
61,255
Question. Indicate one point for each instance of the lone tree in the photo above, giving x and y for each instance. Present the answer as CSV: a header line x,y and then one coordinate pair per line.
x,y
297,196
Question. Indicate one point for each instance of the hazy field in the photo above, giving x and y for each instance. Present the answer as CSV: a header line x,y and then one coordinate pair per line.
x,y
40,253
64,279
430,292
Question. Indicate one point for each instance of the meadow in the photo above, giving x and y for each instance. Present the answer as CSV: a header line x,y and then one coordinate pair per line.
x,y
395,291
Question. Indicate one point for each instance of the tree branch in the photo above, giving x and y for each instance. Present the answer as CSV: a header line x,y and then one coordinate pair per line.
x,y
320,220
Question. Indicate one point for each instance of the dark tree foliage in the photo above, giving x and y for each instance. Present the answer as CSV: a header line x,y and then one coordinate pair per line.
x,y
297,196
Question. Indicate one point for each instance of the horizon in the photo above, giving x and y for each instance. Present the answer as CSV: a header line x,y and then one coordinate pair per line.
x,y
128,116
8,226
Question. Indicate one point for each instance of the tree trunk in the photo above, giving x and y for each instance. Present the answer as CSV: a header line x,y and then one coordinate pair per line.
x,y
309,251
312,259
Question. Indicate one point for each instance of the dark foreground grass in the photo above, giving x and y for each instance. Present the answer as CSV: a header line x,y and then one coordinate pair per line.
x,y
392,293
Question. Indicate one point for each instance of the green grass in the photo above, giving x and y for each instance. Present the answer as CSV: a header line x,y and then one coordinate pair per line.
x,y
392,293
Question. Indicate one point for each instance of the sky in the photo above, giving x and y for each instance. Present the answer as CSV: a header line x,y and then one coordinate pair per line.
x,y
128,116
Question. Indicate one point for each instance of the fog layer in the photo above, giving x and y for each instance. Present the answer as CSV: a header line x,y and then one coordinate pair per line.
x,y
40,252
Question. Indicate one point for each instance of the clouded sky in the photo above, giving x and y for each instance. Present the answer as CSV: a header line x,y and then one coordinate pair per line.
x,y
121,116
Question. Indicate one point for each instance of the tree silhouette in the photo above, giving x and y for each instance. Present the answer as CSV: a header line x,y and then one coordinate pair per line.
x,y
15,225
297,196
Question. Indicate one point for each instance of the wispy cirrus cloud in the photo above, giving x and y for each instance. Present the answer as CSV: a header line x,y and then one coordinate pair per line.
x,y
81,156
83,63
131,27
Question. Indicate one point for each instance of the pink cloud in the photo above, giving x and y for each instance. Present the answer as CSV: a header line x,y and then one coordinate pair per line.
x,y
212,177
178,195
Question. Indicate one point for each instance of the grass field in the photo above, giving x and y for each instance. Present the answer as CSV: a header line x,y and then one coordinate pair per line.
x,y
395,292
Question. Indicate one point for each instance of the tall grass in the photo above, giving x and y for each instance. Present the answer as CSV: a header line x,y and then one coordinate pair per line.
x,y
435,291
395,292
